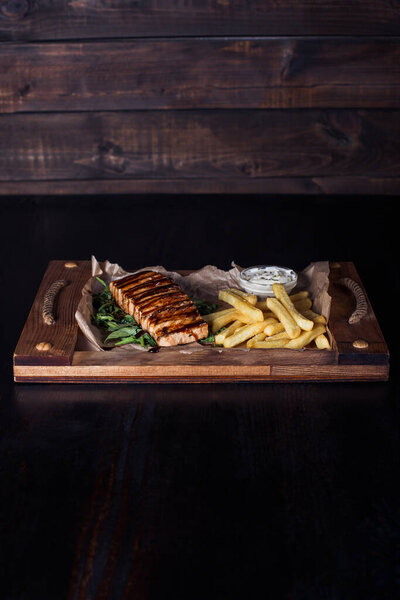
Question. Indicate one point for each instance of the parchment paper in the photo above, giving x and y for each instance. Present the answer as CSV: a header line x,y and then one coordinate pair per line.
x,y
203,284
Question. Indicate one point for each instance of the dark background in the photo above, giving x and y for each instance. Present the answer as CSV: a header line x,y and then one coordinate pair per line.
x,y
217,491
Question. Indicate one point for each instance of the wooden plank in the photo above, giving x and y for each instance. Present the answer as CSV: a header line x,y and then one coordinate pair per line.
x,y
367,329
199,355
237,145
334,372
201,73
63,334
261,185
198,374
145,371
63,19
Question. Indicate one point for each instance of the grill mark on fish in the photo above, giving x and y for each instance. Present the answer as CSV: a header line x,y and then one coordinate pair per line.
x,y
160,300
131,279
166,311
126,283
163,311
142,287
165,300
188,315
180,329
143,296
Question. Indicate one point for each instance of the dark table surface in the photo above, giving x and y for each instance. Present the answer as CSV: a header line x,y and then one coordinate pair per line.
x,y
204,491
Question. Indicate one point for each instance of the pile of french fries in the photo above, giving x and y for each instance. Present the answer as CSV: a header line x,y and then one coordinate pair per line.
x,y
280,322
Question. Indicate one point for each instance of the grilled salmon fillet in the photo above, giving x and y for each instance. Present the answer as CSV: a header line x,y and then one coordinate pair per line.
x,y
160,307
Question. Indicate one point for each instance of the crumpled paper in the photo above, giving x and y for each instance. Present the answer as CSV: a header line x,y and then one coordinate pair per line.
x,y
203,284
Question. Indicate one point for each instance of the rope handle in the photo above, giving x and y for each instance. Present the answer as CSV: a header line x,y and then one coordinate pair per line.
x,y
361,309
48,301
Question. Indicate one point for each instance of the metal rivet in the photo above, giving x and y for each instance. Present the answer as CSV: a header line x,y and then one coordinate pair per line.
x,y
359,344
70,265
43,346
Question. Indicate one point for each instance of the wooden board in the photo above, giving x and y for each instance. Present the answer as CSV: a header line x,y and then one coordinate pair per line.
x,y
239,145
377,186
66,19
201,73
65,363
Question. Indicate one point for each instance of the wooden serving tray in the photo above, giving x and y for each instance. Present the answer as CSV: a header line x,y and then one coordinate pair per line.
x,y
50,352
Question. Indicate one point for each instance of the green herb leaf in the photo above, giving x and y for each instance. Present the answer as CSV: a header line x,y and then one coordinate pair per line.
x,y
128,340
210,339
103,282
123,332
204,308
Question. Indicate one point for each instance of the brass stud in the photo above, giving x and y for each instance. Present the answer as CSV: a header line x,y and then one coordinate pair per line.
x,y
70,265
44,346
360,344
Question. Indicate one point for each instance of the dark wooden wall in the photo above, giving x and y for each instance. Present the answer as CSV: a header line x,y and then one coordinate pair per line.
x,y
231,96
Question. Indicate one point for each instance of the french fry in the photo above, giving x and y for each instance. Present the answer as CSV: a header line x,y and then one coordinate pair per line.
x,y
269,315
219,339
298,296
302,304
305,338
224,320
241,305
271,344
251,298
322,342
215,315
309,314
281,322
262,305
246,319
301,321
278,336
270,320
274,328
291,327
243,333
257,338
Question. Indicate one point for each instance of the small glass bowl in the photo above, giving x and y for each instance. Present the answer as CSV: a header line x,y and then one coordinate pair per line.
x,y
264,290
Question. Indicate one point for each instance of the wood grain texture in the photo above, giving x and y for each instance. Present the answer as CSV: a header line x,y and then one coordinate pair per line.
x,y
231,357
170,491
236,145
265,185
63,19
62,335
205,374
201,73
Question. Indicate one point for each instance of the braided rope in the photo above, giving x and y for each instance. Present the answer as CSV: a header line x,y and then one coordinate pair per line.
x,y
361,301
48,302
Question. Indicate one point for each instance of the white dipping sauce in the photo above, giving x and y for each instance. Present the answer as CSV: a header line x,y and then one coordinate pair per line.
x,y
260,279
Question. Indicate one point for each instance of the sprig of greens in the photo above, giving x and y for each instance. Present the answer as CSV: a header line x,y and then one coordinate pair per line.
x,y
204,308
210,339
